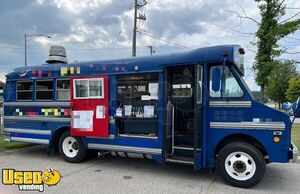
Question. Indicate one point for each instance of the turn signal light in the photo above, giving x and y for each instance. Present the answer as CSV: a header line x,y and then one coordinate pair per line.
x,y
276,139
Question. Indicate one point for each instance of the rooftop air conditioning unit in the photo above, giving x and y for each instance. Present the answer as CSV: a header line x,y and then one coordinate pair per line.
x,y
57,54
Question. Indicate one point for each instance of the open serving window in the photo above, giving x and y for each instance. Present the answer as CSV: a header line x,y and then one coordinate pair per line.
x,y
137,105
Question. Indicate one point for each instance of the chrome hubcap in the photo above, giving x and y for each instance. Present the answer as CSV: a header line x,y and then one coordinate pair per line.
x,y
240,166
70,147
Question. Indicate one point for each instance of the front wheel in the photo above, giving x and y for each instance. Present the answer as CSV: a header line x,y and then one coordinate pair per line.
x,y
241,164
71,148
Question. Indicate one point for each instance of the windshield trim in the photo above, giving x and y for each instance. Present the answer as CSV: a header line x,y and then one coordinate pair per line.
x,y
243,82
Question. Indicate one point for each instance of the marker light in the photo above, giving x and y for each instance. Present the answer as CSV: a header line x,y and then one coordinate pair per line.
x,y
276,139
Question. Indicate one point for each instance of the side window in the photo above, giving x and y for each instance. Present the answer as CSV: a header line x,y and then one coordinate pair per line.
x,y
63,89
231,88
81,87
44,90
95,88
24,90
137,112
89,88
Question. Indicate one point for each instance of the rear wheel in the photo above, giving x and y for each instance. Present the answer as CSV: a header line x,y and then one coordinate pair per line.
x,y
241,164
71,148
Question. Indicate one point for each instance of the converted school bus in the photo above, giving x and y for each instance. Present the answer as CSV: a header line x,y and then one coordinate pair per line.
x,y
191,108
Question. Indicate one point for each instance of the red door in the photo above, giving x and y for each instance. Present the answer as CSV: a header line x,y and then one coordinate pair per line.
x,y
89,106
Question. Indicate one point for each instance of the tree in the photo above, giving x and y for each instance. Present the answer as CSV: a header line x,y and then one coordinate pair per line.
x,y
293,91
270,31
279,78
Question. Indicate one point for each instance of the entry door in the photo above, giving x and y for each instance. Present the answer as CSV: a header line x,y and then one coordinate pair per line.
x,y
169,127
198,119
169,141
89,106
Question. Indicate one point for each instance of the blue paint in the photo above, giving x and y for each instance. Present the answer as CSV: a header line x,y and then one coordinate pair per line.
x,y
210,137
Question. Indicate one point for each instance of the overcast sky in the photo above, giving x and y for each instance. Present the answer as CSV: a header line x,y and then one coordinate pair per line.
x,y
101,29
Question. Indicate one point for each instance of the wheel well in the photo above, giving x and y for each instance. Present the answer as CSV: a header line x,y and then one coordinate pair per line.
x,y
241,138
56,136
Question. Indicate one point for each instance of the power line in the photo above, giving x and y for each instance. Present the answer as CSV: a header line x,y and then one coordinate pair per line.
x,y
8,47
296,61
231,29
79,49
291,52
293,38
163,40
292,8
126,19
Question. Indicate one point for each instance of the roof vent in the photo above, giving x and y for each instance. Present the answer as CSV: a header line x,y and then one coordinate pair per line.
x,y
57,54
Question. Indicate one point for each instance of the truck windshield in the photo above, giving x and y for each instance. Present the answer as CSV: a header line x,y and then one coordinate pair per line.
x,y
245,84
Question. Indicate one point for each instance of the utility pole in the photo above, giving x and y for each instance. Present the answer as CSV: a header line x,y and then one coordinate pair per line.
x,y
25,38
28,37
137,6
152,51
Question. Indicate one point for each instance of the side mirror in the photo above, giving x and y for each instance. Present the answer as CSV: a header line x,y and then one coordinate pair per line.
x,y
216,79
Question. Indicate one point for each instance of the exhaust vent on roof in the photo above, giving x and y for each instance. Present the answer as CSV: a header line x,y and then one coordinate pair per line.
x,y
57,54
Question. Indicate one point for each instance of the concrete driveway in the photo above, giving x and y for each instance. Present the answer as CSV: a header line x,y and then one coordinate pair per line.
x,y
122,175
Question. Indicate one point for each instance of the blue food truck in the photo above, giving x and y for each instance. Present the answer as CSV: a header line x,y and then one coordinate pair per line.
x,y
191,108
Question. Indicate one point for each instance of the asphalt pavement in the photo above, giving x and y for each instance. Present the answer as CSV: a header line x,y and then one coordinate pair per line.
x,y
123,175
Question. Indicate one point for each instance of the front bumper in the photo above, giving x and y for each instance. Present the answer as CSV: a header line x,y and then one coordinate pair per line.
x,y
294,152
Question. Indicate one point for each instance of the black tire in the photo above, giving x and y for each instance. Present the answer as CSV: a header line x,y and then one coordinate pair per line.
x,y
79,147
233,178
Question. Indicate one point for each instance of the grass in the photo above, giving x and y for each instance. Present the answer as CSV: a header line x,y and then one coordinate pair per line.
x,y
296,134
4,145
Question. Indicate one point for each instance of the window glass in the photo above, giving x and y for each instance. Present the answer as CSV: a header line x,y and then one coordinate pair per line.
x,y
24,90
137,98
137,87
63,84
81,88
63,89
95,88
25,85
44,90
231,88
89,88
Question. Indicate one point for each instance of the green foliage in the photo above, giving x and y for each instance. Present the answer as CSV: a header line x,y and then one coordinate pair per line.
x,y
279,78
256,94
284,29
293,91
4,145
270,31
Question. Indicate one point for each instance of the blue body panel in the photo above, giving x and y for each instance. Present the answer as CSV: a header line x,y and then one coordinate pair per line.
x,y
278,152
211,137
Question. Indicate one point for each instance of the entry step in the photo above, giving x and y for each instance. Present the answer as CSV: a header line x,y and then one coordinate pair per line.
x,y
181,160
183,147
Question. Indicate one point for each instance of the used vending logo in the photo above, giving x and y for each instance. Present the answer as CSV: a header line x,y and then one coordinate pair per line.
x,y
30,180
